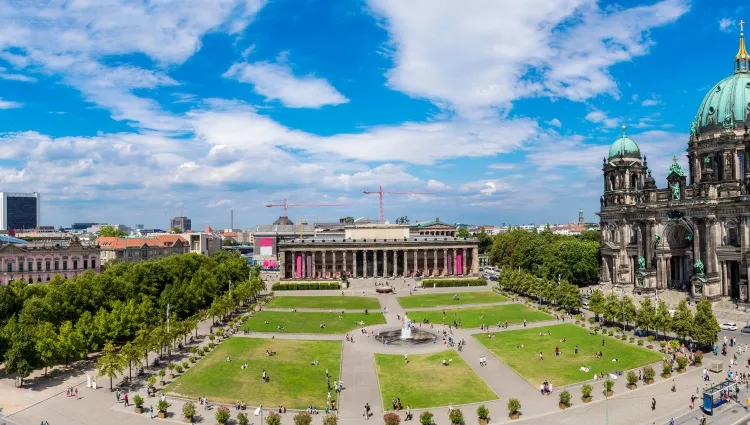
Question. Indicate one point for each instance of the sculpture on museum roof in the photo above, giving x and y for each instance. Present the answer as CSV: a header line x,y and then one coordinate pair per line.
x,y
699,267
675,167
641,263
675,191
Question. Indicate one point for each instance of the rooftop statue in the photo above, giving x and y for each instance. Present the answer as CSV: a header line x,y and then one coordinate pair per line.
x,y
675,191
641,263
699,267
727,124
693,128
675,167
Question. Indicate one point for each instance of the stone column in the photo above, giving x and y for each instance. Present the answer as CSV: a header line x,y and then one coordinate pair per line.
x,y
434,263
464,262
711,247
343,261
364,262
696,243
444,271
325,264
455,250
475,261
304,264
395,263
405,269
354,260
294,265
724,278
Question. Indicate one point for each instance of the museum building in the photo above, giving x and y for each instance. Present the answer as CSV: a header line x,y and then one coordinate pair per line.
x,y
693,234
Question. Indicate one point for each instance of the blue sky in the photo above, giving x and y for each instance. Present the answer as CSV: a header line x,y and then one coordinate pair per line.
x,y
128,111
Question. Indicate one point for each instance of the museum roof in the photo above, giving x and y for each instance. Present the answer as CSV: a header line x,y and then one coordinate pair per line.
x,y
378,241
435,222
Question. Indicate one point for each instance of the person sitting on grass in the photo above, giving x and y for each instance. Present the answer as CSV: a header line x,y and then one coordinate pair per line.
x,y
322,326
314,363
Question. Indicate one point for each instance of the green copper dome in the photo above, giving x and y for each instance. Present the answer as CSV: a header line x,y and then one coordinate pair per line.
x,y
726,105
624,146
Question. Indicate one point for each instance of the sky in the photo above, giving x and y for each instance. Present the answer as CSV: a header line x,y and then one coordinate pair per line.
x,y
496,111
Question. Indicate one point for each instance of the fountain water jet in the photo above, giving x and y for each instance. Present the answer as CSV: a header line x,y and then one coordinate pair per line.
x,y
406,329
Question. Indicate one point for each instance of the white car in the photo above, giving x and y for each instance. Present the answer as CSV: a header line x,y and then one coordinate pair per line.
x,y
728,326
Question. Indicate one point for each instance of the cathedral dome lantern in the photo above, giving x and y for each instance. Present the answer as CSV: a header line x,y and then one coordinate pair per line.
x,y
624,147
727,105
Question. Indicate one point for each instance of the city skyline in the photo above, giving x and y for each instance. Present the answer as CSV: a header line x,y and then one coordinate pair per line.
x,y
133,115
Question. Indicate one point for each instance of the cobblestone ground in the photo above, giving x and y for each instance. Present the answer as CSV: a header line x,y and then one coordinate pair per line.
x,y
44,398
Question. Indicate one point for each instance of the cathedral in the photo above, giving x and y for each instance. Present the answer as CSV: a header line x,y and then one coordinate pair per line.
x,y
692,234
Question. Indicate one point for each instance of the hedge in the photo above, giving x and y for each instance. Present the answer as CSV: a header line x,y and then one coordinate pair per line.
x,y
445,283
303,286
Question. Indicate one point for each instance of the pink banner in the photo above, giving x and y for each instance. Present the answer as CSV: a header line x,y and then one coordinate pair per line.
x,y
459,264
299,265
309,266
265,242
273,263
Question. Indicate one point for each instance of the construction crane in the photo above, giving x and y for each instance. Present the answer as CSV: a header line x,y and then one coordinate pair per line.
x,y
391,192
303,220
317,204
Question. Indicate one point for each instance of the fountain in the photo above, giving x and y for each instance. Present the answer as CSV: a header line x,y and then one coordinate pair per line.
x,y
407,335
406,329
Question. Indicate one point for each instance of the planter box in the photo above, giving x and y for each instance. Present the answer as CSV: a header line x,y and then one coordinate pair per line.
x,y
586,399
483,421
162,415
681,370
515,415
648,381
631,386
189,420
138,409
563,405
666,375
609,393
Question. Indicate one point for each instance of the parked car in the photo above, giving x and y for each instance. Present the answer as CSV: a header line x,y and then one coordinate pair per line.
x,y
746,329
728,326
585,304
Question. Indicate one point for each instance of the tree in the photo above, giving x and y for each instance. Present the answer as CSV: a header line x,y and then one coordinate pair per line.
x,y
630,310
613,307
402,220
705,327
130,355
70,342
47,345
109,364
176,229
350,220
662,318
110,231
463,233
644,319
485,241
597,302
22,356
682,321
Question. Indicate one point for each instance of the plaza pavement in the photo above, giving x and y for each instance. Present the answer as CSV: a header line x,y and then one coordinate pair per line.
x,y
45,398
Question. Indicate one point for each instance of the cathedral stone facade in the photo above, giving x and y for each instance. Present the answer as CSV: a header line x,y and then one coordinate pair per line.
x,y
692,235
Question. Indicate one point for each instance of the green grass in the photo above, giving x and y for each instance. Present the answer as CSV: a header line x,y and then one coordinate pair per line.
x,y
293,381
425,382
327,303
309,323
474,317
564,370
435,300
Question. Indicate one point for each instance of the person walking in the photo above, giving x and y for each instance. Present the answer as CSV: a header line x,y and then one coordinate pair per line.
x,y
126,401
76,391
367,411
653,403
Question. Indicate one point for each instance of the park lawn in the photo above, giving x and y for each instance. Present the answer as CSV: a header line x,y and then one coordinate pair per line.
x,y
327,303
564,370
474,317
294,382
436,300
309,323
425,382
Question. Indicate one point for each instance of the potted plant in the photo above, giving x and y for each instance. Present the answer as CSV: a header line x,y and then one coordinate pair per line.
x,y
188,411
302,418
273,418
648,375
242,419
456,416
222,415
682,363
151,381
171,367
193,350
391,419
666,369
162,406
674,345
178,369
426,418
185,365
662,344
138,401
564,399
483,413
161,376
514,408
212,337
640,342
608,385
192,359
330,419
632,380
586,393
698,356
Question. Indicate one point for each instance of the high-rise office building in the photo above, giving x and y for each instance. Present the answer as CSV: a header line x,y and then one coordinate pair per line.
x,y
19,210
183,223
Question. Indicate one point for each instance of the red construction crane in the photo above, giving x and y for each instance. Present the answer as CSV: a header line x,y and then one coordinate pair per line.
x,y
391,192
317,204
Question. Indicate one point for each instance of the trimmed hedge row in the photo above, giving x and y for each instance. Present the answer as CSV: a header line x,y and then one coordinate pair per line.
x,y
446,283
304,286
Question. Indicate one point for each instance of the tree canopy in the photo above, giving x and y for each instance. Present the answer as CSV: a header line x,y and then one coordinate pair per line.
x,y
106,231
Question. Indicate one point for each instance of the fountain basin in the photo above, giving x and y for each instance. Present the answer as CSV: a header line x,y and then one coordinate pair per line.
x,y
383,289
396,337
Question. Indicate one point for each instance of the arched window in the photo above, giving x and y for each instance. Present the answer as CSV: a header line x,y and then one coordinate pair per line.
x,y
612,182
634,181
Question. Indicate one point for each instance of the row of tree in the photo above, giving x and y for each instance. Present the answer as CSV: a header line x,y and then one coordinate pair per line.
x,y
701,327
560,293
63,320
545,254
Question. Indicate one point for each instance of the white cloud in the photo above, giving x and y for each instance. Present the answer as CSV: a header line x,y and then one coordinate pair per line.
x,y
220,203
650,102
278,82
517,49
502,166
7,104
555,122
482,187
15,77
599,117
436,185
726,24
